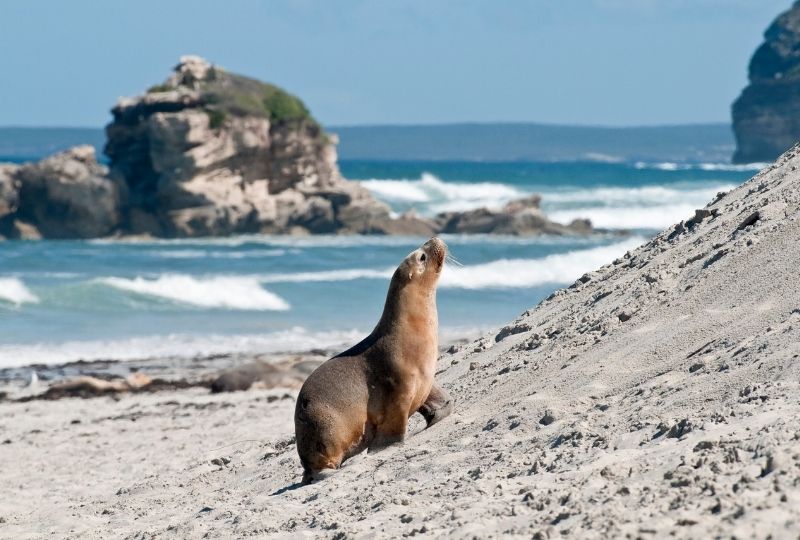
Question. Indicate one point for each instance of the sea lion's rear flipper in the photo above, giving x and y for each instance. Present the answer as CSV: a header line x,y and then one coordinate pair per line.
x,y
438,405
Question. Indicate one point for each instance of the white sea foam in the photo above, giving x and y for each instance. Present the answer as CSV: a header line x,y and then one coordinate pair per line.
x,y
647,195
212,292
398,190
673,166
513,273
179,254
731,167
650,207
14,291
599,157
503,273
204,254
292,340
624,217
295,243
349,274
434,195
281,241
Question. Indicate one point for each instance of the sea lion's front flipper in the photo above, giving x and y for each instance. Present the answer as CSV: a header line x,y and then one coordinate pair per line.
x,y
438,405
391,429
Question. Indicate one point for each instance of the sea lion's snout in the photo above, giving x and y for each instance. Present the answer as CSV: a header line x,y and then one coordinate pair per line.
x,y
436,249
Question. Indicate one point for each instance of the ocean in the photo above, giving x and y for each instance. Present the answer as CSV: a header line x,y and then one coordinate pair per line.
x,y
64,301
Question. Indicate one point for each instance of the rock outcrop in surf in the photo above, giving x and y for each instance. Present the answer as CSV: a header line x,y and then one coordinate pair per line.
x,y
766,116
67,195
212,153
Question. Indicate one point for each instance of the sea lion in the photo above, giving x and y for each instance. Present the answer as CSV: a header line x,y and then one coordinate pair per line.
x,y
362,398
287,373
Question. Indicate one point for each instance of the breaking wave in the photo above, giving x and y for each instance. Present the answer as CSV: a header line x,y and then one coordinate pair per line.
x,y
14,291
202,253
553,269
214,292
436,196
674,166
650,207
327,275
502,273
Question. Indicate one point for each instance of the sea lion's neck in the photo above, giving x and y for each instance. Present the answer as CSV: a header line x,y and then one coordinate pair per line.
x,y
412,307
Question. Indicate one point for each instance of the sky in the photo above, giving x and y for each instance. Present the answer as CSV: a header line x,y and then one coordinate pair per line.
x,y
356,62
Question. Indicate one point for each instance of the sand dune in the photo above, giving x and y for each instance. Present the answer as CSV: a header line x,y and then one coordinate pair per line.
x,y
658,395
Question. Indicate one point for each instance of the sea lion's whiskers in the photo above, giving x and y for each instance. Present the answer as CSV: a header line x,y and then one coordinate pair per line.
x,y
452,260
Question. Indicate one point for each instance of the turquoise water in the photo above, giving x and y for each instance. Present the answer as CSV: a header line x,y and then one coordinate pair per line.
x,y
70,300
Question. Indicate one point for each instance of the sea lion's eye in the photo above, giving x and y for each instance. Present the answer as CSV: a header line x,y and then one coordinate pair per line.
x,y
422,258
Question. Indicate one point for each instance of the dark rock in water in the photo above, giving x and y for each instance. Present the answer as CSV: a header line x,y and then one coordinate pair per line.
x,y
520,217
67,195
766,116
286,374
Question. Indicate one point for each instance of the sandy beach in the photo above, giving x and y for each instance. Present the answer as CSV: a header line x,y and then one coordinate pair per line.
x,y
658,395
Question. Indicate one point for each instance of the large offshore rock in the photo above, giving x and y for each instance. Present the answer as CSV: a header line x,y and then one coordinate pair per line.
x,y
766,116
213,153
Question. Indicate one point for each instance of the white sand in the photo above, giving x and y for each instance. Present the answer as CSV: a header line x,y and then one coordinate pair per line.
x,y
660,397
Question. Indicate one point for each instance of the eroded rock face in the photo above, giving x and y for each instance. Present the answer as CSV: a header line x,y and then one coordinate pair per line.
x,y
67,195
766,117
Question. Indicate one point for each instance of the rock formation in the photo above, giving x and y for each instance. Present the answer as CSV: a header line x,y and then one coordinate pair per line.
x,y
766,116
213,153
67,195
210,153
520,217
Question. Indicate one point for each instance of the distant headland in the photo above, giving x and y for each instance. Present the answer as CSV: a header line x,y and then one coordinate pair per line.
x,y
479,142
766,116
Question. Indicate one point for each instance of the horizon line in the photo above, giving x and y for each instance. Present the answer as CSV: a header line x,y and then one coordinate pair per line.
x,y
470,123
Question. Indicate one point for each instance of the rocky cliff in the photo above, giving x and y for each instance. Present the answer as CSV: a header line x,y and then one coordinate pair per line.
x,y
766,117
209,153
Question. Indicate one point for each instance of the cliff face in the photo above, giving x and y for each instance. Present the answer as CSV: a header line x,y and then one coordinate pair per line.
x,y
766,117
210,153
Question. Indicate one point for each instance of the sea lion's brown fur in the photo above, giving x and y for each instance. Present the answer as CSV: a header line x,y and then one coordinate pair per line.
x,y
363,397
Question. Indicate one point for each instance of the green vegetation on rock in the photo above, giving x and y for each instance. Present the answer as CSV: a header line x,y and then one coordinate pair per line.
x,y
216,118
227,94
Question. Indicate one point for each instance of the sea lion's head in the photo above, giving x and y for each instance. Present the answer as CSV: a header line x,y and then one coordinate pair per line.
x,y
424,264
